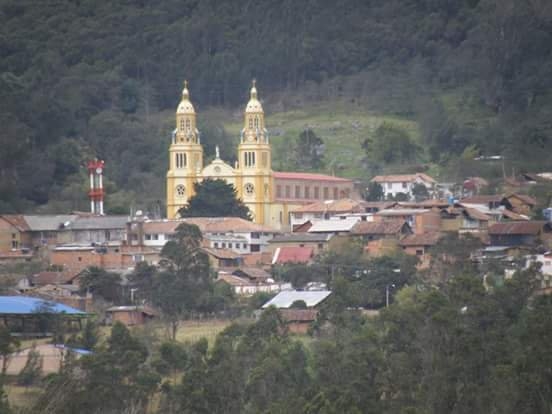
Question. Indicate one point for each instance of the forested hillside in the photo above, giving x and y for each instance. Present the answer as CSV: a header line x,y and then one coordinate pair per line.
x,y
81,78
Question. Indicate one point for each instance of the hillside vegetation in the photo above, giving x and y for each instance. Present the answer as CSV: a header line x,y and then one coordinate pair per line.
x,y
80,78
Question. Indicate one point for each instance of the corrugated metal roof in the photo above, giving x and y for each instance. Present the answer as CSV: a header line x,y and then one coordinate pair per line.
x,y
301,237
285,299
99,223
330,226
24,305
48,222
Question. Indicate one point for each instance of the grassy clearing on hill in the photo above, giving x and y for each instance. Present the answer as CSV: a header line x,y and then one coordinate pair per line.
x,y
342,126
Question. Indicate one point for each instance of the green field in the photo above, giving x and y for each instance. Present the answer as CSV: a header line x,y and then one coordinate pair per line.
x,y
343,127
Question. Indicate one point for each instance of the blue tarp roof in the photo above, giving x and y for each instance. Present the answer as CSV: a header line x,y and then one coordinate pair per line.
x,y
20,305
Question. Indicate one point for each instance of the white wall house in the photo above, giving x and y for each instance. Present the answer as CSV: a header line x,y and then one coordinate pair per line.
x,y
395,184
233,233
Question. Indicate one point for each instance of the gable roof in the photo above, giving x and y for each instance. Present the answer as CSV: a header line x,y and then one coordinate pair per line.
x,y
286,298
19,305
301,238
400,178
279,175
343,205
330,226
425,239
525,198
208,225
221,253
292,254
252,273
48,222
299,315
531,228
379,227
16,220
482,199
53,278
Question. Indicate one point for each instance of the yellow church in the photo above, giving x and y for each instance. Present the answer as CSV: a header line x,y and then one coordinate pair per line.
x,y
269,195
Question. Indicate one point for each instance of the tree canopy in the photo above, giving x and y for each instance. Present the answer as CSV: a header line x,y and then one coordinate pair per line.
x,y
215,198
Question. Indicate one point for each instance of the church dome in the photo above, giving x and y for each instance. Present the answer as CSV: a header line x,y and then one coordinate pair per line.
x,y
185,106
253,105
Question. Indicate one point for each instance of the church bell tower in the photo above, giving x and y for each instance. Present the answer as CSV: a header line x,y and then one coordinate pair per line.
x,y
255,184
185,156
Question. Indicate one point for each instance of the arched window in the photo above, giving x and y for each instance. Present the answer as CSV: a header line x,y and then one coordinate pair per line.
x,y
182,124
250,123
188,125
256,122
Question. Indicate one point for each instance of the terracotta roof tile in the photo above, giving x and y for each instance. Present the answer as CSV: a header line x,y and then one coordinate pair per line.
x,y
16,220
308,177
378,227
208,225
399,178
293,254
299,315
425,239
482,199
344,205
518,227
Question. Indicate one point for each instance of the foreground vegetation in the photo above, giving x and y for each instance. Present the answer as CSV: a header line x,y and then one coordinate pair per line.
x,y
460,349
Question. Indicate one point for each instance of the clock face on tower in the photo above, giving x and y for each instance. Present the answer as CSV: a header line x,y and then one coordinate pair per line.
x,y
249,189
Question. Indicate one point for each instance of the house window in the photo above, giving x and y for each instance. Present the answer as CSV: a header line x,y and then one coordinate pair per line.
x,y
419,252
147,237
316,193
244,245
255,248
137,258
155,237
320,246
389,185
297,191
288,191
298,216
14,244
14,236
335,196
326,193
79,259
255,235
279,191
215,245
403,185
307,192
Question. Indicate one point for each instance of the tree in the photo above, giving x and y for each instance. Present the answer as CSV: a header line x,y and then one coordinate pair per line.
x,y
374,192
390,144
183,285
419,191
100,282
309,151
215,198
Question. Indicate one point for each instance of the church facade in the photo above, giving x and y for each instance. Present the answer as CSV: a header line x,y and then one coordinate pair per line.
x,y
269,195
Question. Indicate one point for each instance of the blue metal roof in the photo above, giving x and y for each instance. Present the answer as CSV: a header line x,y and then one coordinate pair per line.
x,y
21,305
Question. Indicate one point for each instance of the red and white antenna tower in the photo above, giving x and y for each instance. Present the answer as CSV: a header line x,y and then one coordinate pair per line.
x,y
96,193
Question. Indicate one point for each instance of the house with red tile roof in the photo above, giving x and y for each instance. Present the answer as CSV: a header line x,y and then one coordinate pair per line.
x,y
293,254
403,183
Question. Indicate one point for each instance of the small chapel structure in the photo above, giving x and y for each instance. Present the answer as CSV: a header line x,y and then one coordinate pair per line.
x,y
269,195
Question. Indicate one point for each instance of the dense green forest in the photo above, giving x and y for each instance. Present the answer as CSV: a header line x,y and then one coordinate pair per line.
x,y
80,78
